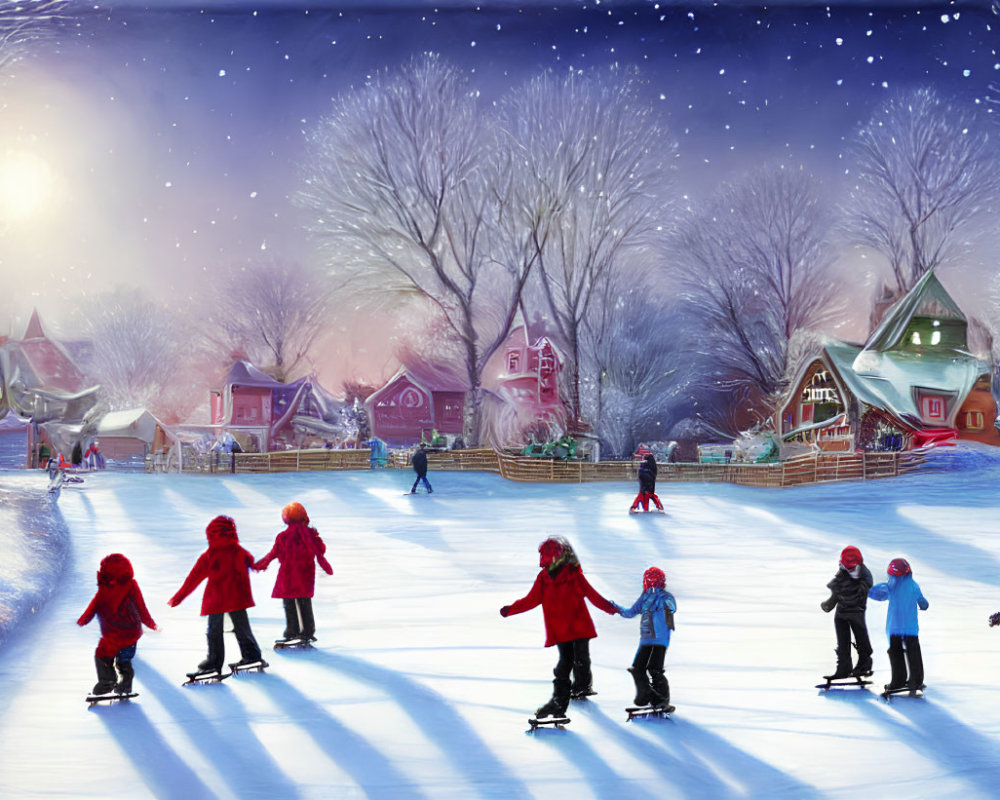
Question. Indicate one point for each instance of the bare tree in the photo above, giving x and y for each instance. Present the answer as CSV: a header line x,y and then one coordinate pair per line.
x,y
754,263
925,170
271,312
639,363
138,355
24,24
595,158
401,186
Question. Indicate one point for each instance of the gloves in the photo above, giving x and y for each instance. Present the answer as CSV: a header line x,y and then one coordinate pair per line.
x,y
994,619
924,605
504,611
827,605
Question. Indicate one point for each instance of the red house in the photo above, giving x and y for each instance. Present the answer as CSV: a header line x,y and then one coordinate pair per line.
x,y
407,406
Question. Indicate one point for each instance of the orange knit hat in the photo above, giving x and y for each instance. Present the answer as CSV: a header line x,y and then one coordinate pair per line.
x,y
294,512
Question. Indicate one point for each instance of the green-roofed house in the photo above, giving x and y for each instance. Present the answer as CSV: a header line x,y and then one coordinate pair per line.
x,y
913,383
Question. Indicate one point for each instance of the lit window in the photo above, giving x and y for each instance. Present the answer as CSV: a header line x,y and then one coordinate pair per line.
x,y
916,337
936,337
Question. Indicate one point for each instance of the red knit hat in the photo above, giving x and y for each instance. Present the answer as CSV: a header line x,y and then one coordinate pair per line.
x,y
294,512
850,557
653,577
222,527
115,569
898,567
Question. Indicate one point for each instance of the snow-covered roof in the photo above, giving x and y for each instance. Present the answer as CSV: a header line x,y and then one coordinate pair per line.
x,y
927,298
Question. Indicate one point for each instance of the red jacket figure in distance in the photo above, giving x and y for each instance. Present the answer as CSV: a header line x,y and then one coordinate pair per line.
x,y
298,548
560,589
121,611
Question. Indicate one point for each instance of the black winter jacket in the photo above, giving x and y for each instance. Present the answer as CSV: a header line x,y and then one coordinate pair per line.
x,y
849,595
647,478
420,462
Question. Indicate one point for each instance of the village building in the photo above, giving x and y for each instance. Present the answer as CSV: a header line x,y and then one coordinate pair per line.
x,y
410,406
913,383
264,414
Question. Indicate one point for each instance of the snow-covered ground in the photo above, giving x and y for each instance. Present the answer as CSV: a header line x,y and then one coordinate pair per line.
x,y
419,689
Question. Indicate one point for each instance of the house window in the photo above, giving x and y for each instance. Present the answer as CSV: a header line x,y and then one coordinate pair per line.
x,y
513,361
933,408
974,420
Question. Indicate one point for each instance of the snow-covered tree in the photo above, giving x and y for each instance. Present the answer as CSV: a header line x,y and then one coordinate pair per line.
x,y
271,312
590,163
639,361
924,169
400,186
754,262
139,353
24,24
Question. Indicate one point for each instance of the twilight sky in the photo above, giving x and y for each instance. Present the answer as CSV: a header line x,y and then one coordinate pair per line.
x,y
151,144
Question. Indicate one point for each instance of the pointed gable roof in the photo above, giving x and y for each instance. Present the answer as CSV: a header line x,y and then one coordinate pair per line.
x,y
34,329
927,298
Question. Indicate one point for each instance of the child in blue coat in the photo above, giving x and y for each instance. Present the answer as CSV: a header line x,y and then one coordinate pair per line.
x,y
656,607
901,626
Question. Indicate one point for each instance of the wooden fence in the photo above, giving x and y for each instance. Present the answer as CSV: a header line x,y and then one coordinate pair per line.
x,y
823,467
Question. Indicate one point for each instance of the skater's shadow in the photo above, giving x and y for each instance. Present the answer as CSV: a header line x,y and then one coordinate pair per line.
x,y
598,774
165,773
435,716
371,770
703,764
930,730
230,743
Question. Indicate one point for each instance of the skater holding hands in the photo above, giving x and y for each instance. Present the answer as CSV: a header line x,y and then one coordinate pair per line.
x,y
849,595
121,611
298,548
226,566
560,589
901,625
655,607
647,486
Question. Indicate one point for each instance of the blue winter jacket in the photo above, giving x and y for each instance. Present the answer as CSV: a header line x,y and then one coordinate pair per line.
x,y
653,626
904,597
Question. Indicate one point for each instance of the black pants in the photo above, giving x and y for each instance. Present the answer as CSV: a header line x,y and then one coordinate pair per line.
x,y
249,650
845,626
647,670
910,645
574,658
421,477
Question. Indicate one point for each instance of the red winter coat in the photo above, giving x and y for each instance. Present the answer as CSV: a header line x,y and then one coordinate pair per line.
x,y
119,607
297,548
227,567
566,615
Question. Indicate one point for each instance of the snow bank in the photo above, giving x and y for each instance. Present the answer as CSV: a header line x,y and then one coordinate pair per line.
x,y
34,543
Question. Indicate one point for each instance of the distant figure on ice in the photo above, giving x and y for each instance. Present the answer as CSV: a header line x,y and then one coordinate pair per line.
x,y
560,588
647,486
656,607
93,457
227,566
901,626
420,467
121,611
297,549
849,595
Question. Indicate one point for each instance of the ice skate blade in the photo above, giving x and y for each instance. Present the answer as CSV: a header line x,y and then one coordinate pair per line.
x,y
111,697
555,722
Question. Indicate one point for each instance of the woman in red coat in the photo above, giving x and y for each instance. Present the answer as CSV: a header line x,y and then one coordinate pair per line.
x,y
119,607
227,566
560,588
297,549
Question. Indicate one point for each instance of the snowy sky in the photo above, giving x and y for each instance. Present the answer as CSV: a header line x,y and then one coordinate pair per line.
x,y
155,143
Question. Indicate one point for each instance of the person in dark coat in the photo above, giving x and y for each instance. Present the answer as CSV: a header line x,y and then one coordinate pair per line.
x,y
849,595
647,486
121,611
560,589
226,566
420,467
298,548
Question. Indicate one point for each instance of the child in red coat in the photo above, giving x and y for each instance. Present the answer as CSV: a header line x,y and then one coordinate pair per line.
x,y
119,607
297,549
227,566
560,588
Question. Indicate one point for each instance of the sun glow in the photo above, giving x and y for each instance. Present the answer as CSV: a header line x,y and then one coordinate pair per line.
x,y
26,183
